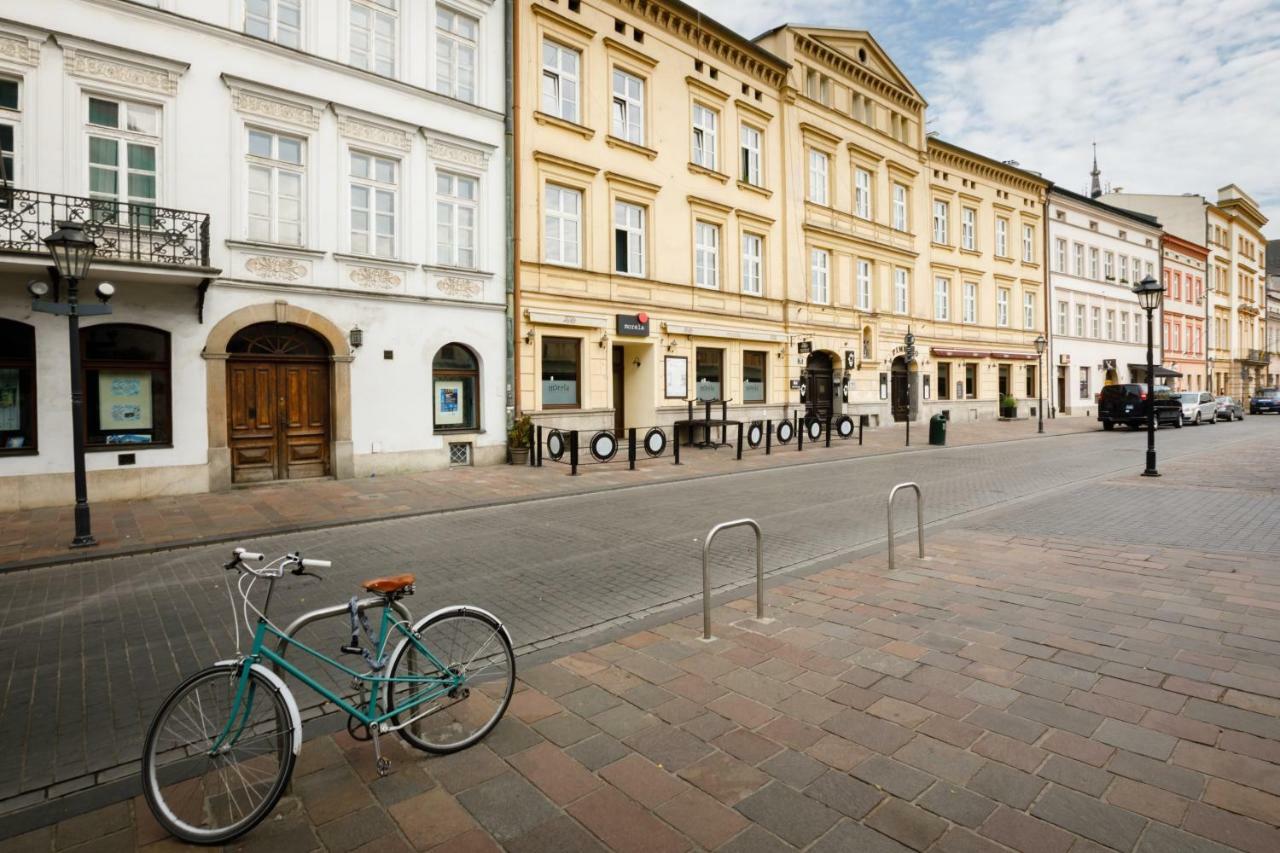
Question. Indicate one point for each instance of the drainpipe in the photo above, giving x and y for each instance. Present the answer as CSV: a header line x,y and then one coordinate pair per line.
x,y
1048,302
511,54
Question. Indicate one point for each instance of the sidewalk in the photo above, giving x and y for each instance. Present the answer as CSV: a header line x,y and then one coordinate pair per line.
x,y
1039,695
36,536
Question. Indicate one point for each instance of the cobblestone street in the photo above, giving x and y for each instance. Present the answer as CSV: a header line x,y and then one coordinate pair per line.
x,y
1069,610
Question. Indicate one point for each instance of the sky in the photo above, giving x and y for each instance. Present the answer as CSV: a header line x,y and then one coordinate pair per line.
x,y
1181,96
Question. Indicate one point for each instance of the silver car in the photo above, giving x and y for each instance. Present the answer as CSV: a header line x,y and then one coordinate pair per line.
x,y
1230,409
1198,407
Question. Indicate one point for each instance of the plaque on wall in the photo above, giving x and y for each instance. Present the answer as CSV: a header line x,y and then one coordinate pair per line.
x,y
677,376
884,386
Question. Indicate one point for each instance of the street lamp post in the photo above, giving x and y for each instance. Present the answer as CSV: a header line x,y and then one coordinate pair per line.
x,y
72,253
1149,293
1041,343
909,356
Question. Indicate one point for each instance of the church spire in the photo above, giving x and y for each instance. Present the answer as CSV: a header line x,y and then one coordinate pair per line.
x,y
1095,186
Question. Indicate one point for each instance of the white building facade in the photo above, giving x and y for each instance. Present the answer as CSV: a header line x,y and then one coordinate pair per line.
x,y
1098,331
302,206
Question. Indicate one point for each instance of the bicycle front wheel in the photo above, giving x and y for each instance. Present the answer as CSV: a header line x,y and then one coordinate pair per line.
x,y
208,781
464,643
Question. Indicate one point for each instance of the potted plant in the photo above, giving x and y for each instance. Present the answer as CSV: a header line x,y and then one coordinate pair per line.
x,y
518,440
1008,406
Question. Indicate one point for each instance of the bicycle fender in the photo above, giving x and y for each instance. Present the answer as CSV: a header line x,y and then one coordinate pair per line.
x,y
295,716
466,608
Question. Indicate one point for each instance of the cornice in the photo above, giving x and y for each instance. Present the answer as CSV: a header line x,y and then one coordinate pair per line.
x,y
626,50
632,183
706,89
832,58
576,27
813,132
97,61
752,110
946,154
563,163
707,204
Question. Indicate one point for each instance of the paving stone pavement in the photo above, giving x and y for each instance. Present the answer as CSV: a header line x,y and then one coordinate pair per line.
x,y
1010,692
88,651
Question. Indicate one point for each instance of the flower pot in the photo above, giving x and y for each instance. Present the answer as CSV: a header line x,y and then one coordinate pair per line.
x,y
519,455
1008,411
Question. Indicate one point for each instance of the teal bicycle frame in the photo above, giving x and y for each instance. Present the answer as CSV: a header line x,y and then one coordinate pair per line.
x,y
433,687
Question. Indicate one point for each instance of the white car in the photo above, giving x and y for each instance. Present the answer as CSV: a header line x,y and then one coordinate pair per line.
x,y
1198,407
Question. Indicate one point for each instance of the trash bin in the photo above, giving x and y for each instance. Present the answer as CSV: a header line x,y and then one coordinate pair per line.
x,y
938,429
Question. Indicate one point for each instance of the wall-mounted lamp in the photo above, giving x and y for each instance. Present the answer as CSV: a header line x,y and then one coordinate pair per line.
x,y
356,336
671,345
604,340
636,363
528,336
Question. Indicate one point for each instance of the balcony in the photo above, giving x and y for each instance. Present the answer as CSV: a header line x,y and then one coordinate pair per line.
x,y
156,240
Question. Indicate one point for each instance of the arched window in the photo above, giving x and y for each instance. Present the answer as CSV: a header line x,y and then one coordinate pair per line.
x,y
455,389
126,385
17,388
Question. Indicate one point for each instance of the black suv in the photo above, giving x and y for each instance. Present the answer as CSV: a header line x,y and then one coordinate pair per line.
x,y
1266,400
1127,404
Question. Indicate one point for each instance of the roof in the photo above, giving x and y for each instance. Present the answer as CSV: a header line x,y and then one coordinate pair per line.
x,y
1143,218
705,20
1034,177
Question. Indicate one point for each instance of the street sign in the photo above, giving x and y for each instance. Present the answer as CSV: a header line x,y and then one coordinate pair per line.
x,y
804,346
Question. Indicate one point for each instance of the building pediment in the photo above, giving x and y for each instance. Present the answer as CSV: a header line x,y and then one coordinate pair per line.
x,y
860,50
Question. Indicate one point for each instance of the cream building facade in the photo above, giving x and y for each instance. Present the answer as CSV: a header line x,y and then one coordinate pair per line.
x,y
650,243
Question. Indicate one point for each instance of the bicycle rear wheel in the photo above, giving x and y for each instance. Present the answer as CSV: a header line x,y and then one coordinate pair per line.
x,y
204,795
470,644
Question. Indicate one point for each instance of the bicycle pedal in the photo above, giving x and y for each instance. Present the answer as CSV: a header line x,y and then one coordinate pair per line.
x,y
351,650
384,766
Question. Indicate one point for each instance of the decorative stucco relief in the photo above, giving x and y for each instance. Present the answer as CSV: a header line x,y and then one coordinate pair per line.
x,y
251,102
464,288
276,269
97,67
20,50
389,136
458,154
373,278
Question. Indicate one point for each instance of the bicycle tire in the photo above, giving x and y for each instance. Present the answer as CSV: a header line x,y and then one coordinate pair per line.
x,y
491,630
158,800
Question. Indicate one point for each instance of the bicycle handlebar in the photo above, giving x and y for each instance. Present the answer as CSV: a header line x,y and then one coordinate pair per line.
x,y
316,564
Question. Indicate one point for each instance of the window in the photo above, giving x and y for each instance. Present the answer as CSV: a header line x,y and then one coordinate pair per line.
x,y
942,298
563,221
864,285
560,369
944,380
1124,325
373,205
275,204
1028,243
819,276
1109,265
126,384
708,373
752,264
1093,263
969,303
970,381
1002,306
704,136
1095,322
1084,383
1002,238
817,177
1111,324
940,222
1060,252
456,199
753,376
706,262
1078,249
123,145
9,118
455,377
1175,342
1031,381
628,107
279,21
1124,268
900,290
899,207
1079,321
968,228
1028,310
628,238
862,193
373,35
17,387
1062,318
560,81
456,54
750,166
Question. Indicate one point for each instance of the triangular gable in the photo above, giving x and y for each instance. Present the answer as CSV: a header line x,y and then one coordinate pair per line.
x,y
859,47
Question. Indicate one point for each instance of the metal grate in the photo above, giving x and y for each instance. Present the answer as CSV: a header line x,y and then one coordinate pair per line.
x,y
459,453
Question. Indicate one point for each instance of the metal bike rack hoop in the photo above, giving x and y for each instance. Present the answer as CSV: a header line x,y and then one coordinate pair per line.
x,y
919,517
706,570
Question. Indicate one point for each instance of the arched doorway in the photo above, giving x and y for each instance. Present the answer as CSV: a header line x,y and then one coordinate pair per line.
x,y
819,388
899,395
278,403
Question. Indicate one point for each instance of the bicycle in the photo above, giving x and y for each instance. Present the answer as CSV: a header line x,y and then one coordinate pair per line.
x,y
219,752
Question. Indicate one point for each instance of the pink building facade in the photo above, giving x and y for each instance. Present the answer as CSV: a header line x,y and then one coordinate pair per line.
x,y
1184,342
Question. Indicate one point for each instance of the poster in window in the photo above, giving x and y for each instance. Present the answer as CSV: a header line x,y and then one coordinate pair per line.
x,y
124,401
10,400
449,402
677,377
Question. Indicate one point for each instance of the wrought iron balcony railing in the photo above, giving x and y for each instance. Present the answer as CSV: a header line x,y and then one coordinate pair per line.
x,y
124,231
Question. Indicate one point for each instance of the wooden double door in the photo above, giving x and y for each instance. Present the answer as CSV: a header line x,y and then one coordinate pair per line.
x,y
278,418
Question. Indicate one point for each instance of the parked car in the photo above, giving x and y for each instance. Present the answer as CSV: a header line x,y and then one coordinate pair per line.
x,y
1229,409
1266,400
1127,404
1198,407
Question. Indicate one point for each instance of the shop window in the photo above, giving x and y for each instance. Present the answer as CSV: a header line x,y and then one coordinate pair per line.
x,y
753,377
1031,381
455,376
944,380
560,370
17,388
710,372
971,381
126,385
